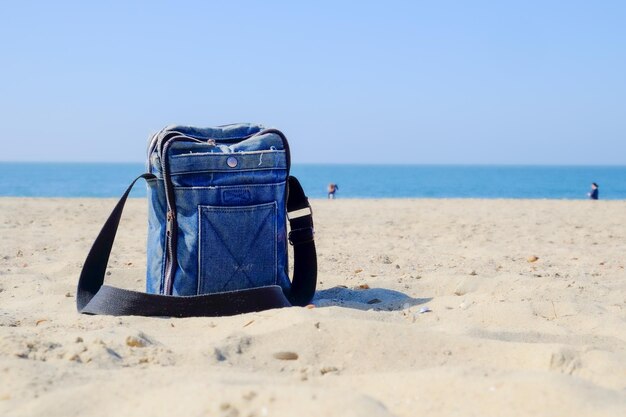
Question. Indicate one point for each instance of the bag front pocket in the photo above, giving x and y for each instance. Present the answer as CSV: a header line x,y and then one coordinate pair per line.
x,y
237,247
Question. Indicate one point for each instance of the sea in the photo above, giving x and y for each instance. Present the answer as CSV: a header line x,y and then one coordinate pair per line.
x,y
107,180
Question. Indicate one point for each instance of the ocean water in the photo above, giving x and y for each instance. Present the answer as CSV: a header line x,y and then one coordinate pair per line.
x,y
355,181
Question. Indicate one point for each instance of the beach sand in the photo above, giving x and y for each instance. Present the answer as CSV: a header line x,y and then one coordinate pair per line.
x,y
506,334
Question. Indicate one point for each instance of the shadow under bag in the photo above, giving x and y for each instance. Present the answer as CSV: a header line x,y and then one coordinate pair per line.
x,y
218,204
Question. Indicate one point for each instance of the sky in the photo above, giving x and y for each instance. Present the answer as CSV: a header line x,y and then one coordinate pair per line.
x,y
388,82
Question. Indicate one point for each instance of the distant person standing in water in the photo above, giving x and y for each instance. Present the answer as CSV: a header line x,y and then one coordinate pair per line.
x,y
593,194
332,189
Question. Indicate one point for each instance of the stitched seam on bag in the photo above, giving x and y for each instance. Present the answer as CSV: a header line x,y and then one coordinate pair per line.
x,y
232,170
199,277
277,152
275,240
230,187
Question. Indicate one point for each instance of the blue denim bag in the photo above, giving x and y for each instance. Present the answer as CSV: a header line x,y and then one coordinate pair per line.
x,y
217,228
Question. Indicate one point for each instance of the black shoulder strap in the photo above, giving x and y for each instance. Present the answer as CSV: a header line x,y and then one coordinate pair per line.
x,y
301,237
92,297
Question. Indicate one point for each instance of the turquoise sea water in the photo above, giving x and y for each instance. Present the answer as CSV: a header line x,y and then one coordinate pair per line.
x,y
355,181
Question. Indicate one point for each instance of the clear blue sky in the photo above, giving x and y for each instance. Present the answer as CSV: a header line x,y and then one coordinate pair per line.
x,y
511,82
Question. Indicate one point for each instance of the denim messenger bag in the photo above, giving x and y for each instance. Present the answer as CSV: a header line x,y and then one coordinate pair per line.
x,y
218,204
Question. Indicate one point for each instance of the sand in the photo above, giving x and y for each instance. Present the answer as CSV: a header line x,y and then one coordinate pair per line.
x,y
505,335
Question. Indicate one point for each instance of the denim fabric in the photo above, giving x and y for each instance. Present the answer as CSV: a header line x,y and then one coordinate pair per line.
x,y
230,195
156,236
248,249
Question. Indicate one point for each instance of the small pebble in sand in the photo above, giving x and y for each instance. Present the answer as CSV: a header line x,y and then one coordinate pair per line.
x,y
328,369
286,356
362,287
532,259
134,341
385,259
358,270
425,310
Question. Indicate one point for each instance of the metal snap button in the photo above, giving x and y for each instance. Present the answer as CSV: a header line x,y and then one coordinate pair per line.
x,y
232,161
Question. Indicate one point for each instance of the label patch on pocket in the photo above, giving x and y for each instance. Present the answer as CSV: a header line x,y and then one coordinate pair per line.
x,y
236,196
